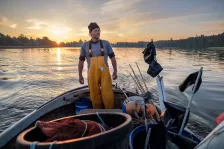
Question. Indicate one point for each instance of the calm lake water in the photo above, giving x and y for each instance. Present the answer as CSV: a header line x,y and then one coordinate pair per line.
x,y
31,77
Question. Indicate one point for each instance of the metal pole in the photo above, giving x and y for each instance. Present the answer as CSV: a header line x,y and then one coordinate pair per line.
x,y
124,93
137,79
146,123
136,83
143,80
189,104
161,93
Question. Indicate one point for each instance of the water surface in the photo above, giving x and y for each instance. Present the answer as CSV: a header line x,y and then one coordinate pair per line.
x,y
31,77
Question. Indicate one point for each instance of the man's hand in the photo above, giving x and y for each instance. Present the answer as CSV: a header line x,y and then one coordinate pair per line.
x,y
80,68
114,64
114,75
81,80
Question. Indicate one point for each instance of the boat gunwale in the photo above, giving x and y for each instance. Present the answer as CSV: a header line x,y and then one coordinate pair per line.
x,y
126,122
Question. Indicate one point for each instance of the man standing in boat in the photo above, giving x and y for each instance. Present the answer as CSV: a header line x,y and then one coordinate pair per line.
x,y
97,51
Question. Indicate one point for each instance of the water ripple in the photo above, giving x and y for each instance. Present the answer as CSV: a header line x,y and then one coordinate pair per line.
x,y
31,77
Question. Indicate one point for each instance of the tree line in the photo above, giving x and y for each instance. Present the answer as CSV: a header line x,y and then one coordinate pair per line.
x,y
139,44
194,42
191,42
22,40
201,41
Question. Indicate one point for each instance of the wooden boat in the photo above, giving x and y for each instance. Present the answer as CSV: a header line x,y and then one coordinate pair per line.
x,y
59,107
63,106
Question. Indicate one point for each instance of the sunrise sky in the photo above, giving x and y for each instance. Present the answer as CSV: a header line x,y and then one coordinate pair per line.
x,y
120,20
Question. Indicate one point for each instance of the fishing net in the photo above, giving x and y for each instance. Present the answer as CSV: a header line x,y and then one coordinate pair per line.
x,y
69,128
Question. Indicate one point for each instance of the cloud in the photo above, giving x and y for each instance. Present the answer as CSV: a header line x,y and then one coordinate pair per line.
x,y
116,7
130,17
118,16
13,26
36,24
214,24
110,26
119,20
212,27
7,23
3,21
82,32
142,20
58,29
53,30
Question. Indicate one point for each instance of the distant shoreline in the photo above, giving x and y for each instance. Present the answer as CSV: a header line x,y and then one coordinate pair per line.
x,y
24,47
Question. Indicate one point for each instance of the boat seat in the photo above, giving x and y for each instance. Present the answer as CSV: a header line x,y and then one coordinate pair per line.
x,y
86,111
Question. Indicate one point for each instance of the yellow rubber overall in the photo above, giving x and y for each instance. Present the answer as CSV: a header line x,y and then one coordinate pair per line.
x,y
100,84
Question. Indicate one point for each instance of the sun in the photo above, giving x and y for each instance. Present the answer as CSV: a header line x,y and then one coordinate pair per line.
x,y
58,42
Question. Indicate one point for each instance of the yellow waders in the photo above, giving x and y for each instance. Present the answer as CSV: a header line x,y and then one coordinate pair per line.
x,y
99,82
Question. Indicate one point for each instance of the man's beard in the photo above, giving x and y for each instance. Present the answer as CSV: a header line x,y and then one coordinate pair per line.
x,y
97,38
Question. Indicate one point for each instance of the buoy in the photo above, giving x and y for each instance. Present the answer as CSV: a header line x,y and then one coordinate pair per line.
x,y
219,118
150,110
131,107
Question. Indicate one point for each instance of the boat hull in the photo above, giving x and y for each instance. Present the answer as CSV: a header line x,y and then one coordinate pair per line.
x,y
120,123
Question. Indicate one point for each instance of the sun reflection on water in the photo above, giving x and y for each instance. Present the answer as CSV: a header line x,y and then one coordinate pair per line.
x,y
59,58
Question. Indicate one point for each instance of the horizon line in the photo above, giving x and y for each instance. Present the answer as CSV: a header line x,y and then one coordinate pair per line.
x,y
116,41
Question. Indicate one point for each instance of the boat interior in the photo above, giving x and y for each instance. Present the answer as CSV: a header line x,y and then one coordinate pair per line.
x,y
64,105
68,107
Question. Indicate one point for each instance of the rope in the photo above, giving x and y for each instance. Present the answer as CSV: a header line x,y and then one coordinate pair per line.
x,y
85,129
101,127
50,147
36,124
100,118
32,145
